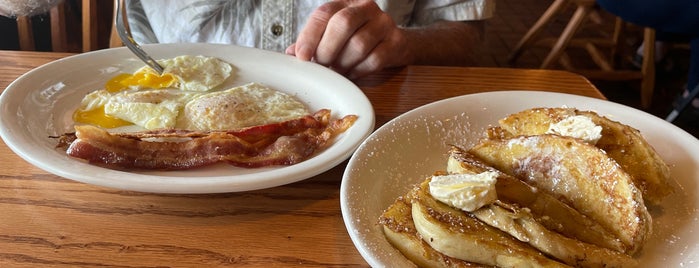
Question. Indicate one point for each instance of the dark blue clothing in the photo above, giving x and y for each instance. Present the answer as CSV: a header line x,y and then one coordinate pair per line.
x,y
674,17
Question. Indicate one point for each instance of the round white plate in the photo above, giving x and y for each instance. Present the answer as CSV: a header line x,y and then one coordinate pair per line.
x,y
411,147
40,104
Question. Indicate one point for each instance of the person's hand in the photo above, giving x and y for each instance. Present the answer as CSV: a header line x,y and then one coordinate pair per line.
x,y
353,37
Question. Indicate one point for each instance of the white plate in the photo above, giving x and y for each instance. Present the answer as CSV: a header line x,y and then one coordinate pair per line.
x,y
40,103
407,149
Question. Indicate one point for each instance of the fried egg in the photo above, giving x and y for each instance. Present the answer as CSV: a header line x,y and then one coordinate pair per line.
x,y
150,109
186,72
128,98
244,106
195,73
185,97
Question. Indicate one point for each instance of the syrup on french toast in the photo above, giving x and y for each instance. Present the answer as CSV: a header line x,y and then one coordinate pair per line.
x,y
580,175
549,211
621,142
561,200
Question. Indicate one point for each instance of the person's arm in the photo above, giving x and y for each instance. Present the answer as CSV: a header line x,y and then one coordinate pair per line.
x,y
356,38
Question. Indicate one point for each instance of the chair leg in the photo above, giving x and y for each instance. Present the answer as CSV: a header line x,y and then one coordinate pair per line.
x,y
26,33
528,38
89,27
618,45
59,39
648,68
114,40
573,25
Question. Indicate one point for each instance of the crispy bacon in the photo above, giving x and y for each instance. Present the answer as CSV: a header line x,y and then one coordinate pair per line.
x,y
284,143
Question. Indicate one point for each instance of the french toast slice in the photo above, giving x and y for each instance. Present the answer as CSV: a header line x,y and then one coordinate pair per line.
x,y
578,174
549,211
460,235
622,143
397,224
520,223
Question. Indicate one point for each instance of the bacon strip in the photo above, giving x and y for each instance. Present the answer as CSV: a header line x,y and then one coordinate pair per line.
x,y
284,143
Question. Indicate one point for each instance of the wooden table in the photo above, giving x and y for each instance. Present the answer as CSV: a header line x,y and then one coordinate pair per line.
x,y
47,220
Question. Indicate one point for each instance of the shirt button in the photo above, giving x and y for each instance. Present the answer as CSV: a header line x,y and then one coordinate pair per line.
x,y
277,29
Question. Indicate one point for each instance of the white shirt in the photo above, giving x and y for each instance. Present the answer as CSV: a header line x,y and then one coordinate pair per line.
x,y
267,24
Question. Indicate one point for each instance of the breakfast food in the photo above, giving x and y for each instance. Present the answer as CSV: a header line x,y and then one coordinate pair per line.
x,y
445,228
549,210
498,233
284,143
550,194
239,107
621,142
149,100
182,120
399,228
580,175
186,97
493,247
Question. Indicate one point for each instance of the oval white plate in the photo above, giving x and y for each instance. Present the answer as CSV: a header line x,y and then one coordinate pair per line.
x,y
40,103
411,147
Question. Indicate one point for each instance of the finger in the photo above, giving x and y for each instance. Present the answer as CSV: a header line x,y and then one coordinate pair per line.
x,y
342,27
363,42
291,50
389,53
370,64
311,34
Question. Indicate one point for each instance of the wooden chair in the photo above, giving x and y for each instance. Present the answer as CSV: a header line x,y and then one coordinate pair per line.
x,y
607,65
59,37
91,25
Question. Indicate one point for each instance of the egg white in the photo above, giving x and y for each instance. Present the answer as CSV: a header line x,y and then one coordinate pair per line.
x,y
194,102
150,109
244,106
195,73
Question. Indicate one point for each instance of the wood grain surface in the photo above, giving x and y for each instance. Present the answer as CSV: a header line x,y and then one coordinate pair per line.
x,y
49,221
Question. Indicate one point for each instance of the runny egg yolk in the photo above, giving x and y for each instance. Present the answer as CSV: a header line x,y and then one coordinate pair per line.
x,y
97,117
119,83
142,79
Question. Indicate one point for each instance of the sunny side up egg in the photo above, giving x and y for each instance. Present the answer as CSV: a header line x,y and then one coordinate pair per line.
x,y
184,98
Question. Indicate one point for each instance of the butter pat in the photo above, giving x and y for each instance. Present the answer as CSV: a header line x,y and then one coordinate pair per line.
x,y
577,126
467,192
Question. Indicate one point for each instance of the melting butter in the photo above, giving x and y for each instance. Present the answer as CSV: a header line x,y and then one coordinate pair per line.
x,y
577,126
467,192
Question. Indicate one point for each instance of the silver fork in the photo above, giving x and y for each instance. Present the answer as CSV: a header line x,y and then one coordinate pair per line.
x,y
128,40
